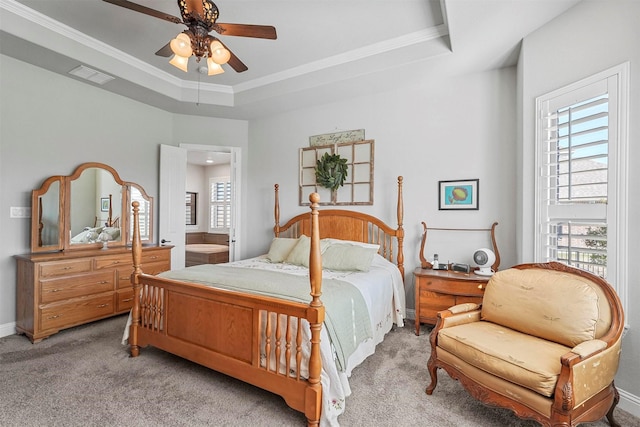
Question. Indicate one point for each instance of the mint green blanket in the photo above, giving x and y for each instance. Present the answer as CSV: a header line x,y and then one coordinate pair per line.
x,y
346,316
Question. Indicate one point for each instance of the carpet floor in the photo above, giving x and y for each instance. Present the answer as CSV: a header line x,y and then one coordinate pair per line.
x,y
84,377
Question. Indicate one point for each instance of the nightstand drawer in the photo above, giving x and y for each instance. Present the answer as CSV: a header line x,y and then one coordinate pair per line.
x,y
452,286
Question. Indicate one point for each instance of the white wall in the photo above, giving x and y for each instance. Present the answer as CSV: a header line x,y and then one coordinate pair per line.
x,y
456,128
51,124
589,38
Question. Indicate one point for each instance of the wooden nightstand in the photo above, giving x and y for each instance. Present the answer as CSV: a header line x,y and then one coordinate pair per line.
x,y
437,290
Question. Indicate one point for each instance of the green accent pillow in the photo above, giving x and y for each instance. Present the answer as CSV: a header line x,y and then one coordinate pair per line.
x,y
280,248
348,257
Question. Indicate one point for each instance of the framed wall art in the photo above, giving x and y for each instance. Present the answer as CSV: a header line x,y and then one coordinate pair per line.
x,y
104,204
458,195
321,165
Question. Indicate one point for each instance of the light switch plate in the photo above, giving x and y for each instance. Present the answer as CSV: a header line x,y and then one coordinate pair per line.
x,y
19,212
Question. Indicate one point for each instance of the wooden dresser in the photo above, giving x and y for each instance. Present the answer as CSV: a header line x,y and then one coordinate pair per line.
x,y
437,290
63,289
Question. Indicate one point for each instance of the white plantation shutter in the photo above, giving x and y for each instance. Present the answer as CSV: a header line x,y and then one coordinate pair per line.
x,y
220,204
581,185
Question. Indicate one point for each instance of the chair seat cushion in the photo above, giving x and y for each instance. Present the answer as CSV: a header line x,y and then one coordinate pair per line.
x,y
523,359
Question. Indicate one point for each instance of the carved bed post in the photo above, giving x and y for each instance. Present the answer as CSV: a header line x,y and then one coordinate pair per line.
x,y
400,258
137,255
314,391
276,212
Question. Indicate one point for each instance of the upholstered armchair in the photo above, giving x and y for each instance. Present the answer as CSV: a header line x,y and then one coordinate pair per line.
x,y
545,343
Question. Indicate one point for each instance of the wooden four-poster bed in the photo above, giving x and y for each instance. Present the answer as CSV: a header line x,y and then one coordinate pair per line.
x,y
270,342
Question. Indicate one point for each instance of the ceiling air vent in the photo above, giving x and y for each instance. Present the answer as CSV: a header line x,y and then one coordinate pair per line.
x,y
91,75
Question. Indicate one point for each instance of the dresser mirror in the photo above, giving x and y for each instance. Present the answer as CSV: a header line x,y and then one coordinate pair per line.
x,y
87,209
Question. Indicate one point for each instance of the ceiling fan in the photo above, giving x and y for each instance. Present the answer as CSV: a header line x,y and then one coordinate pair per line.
x,y
200,17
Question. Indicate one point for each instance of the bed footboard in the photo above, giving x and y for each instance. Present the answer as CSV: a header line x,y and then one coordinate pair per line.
x,y
232,333
257,339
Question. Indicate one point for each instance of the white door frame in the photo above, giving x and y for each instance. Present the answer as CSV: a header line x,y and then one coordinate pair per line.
x,y
236,186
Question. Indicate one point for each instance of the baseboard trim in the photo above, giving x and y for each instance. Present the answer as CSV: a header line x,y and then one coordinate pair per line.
x,y
7,329
629,402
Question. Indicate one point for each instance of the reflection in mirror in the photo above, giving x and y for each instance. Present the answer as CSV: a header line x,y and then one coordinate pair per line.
x,y
48,216
95,207
136,194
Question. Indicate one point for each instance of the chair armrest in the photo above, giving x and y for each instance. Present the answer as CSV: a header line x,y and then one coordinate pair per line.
x,y
587,348
463,308
447,318
587,369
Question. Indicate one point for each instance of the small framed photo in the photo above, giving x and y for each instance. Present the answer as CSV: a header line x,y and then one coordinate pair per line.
x,y
104,204
458,195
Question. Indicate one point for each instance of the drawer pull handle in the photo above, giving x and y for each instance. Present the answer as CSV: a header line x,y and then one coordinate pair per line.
x,y
103,305
154,257
54,317
479,286
55,290
67,268
103,282
127,300
116,262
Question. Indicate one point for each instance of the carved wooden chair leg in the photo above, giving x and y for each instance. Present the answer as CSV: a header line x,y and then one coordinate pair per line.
x,y
616,399
433,372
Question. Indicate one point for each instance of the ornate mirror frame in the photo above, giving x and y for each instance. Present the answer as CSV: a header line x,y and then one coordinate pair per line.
x,y
99,206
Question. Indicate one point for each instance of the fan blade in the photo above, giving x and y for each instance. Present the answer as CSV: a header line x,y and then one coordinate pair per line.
x,y
234,62
146,10
246,30
165,50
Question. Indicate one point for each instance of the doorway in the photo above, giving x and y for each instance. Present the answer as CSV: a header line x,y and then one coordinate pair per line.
x,y
179,165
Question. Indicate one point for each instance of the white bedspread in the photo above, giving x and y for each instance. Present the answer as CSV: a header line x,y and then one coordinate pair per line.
x,y
383,291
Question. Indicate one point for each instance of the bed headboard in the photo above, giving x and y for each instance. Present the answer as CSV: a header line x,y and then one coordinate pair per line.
x,y
350,225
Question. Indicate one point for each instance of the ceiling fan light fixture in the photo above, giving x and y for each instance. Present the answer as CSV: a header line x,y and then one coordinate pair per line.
x,y
213,68
181,45
180,62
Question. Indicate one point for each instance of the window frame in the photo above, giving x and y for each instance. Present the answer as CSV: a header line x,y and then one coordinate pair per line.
x,y
617,208
212,204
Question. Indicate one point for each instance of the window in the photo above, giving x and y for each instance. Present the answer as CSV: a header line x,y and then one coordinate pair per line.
x,y
191,208
220,204
581,184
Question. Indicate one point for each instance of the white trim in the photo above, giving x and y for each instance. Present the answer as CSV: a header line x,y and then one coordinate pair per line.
x,y
629,402
7,329
620,197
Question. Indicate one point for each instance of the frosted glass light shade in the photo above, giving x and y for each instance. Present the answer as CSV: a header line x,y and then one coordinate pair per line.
x,y
180,62
213,68
219,54
181,45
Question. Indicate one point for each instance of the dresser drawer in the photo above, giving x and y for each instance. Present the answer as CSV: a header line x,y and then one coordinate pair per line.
x,y
76,312
74,286
63,268
155,268
124,300
124,278
113,261
154,256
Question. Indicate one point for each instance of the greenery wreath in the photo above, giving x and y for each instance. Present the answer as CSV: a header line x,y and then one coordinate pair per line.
x,y
331,171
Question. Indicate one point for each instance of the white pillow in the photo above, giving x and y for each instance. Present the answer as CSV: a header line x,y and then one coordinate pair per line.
x,y
348,257
280,248
331,241
299,255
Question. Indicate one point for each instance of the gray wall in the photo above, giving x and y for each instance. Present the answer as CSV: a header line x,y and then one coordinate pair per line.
x,y
50,124
591,37
460,127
